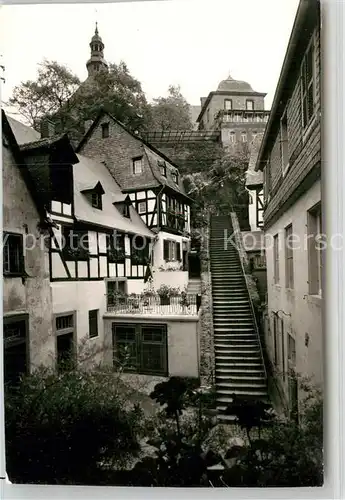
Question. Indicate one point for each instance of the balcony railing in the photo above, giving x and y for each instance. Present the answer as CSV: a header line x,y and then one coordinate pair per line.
x,y
243,116
183,304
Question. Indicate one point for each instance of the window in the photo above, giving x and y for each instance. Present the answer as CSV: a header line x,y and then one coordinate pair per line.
x,y
289,278
64,329
291,351
174,175
314,250
307,85
138,165
140,250
254,134
275,337
244,136
141,207
232,136
13,254
276,258
208,115
116,291
171,250
15,348
116,247
140,348
105,130
75,244
125,211
96,200
228,104
93,323
282,337
284,144
163,168
249,105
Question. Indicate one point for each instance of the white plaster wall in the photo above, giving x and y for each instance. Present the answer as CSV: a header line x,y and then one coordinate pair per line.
x,y
183,348
158,249
305,309
252,211
81,296
172,278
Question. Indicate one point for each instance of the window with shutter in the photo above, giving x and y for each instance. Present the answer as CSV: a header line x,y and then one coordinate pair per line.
x,y
178,251
166,253
307,85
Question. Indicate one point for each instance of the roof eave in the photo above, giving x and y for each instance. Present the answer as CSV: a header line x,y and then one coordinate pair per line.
x,y
300,18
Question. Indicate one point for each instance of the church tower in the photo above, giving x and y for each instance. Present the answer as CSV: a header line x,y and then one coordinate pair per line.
x,y
96,62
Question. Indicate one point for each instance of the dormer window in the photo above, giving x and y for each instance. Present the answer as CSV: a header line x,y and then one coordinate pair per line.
x,y
105,130
174,175
137,165
94,195
163,168
126,210
96,200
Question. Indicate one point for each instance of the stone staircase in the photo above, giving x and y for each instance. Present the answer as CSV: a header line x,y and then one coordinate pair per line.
x,y
194,286
239,367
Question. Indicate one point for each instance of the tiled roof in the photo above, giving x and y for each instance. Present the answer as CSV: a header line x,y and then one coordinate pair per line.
x,y
46,141
254,178
23,133
90,172
153,159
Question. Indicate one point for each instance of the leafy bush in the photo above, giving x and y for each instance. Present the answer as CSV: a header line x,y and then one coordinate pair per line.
x,y
63,428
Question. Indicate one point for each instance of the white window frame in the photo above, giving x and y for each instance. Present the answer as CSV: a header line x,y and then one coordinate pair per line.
x,y
252,103
304,95
140,205
244,137
135,162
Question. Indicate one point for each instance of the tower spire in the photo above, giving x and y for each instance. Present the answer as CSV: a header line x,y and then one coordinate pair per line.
x,y
96,62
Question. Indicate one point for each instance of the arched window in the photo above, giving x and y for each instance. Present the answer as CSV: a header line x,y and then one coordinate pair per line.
x,y
244,136
232,136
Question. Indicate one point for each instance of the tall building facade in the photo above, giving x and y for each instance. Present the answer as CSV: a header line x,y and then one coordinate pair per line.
x,y
236,110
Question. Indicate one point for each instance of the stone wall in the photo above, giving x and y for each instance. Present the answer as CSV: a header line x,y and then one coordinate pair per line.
x,y
207,360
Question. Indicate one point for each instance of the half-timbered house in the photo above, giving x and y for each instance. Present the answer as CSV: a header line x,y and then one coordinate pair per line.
x,y
154,186
99,246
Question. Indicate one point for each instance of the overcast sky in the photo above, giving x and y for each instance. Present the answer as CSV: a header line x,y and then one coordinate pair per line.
x,y
194,43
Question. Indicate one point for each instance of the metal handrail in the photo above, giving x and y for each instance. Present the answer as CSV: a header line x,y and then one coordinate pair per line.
x,y
251,302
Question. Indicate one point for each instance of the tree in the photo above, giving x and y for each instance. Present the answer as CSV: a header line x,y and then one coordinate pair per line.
x,y
222,187
172,112
58,95
66,427
116,91
52,89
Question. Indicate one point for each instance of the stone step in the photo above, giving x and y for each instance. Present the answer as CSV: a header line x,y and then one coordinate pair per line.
x,y
229,371
251,395
241,390
222,380
229,362
238,358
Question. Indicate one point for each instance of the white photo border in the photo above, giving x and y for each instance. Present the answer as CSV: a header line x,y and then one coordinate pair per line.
x,y
333,164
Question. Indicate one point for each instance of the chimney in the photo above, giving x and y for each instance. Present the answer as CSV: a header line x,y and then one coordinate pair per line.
x,y
47,128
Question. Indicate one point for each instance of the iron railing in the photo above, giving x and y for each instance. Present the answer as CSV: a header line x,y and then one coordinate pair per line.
x,y
233,215
183,304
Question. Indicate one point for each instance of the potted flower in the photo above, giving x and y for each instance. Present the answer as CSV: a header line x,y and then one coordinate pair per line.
x,y
165,292
148,296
